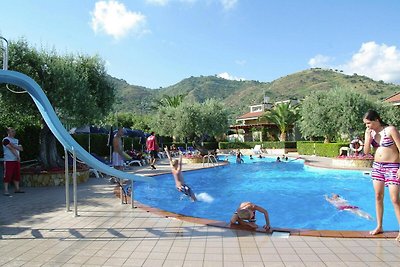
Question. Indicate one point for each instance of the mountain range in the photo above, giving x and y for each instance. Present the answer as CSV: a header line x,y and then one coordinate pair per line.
x,y
238,95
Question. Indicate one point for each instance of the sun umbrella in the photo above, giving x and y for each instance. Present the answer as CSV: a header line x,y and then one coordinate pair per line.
x,y
88,129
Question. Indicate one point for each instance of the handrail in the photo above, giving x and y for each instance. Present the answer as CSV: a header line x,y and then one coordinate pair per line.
x,y
209,160
5,53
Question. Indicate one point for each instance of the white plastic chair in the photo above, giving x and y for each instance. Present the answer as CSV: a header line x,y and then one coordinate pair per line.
x,y
257,149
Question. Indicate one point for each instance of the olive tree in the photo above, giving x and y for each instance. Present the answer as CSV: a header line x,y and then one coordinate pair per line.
x,y
76,85
316,116
335,113
193,120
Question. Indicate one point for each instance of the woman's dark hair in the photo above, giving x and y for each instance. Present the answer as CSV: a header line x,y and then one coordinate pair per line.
x,y
372,115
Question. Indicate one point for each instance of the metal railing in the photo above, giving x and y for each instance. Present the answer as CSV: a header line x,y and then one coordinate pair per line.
x,y
5,52
210,158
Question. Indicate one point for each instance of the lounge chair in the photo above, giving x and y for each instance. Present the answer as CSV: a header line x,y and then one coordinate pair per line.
x,y
133,161
257,149
182,150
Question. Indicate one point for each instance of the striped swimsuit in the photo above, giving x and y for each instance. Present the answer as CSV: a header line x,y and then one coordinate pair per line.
x,y
385,171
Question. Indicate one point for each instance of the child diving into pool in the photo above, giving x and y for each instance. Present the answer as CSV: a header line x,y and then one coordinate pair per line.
x,y
342,204
176,169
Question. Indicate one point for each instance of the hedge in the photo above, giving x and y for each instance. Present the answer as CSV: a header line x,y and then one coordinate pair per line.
x,y
250,145
319,148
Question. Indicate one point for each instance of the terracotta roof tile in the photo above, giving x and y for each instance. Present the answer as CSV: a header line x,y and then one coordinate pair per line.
x,y
393,98
251,115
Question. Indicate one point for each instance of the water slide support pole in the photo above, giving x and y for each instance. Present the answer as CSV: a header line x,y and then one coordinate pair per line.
x,y
132,204
66,181
75,183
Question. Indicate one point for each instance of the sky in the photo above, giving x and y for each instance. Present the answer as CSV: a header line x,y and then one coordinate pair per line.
x,y
158,43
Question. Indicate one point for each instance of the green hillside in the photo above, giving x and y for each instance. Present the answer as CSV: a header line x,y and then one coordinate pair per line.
x,y
238,95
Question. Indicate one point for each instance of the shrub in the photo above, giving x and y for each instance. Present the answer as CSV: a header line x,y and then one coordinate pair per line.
x,y
319,148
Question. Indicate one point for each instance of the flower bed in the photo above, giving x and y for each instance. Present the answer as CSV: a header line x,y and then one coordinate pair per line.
x,y
189,158
358,161
52,178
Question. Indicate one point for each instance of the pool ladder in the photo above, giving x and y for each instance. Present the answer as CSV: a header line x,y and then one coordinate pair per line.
x,y
210,159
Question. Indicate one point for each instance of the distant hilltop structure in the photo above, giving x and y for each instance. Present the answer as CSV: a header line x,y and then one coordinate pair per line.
x,y
394,99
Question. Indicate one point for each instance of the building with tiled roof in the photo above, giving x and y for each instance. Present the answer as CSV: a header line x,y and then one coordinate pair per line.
x,y
394,99
250,126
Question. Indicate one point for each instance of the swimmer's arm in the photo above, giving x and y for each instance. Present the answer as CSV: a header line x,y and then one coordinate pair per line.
x,y
267,225
367,141
328,199
169,157
234,219
180,163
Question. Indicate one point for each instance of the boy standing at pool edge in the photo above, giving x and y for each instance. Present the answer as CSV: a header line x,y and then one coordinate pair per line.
x,y
176,169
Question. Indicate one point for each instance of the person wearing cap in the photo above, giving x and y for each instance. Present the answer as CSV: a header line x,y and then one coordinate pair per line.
x,y
245,216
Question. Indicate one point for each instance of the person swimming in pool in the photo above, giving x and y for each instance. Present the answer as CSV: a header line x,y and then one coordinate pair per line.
x,y
245,216
176,169
239,156
342,204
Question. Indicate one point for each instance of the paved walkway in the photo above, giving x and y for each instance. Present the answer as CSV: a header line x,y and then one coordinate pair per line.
x,y
35,230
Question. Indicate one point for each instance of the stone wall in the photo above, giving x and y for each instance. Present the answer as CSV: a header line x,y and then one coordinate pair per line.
x,y
51,179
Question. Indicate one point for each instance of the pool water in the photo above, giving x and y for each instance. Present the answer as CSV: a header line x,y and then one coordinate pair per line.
x,y
292,193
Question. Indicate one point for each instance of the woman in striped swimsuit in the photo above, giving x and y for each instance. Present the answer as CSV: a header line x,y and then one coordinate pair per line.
x,y
385,170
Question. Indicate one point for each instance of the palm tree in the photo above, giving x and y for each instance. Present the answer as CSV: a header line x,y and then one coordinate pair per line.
x,y
170,101
284,116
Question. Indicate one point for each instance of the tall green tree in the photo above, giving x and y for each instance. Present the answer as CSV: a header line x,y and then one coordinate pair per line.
x,y
284,116
170,101
316,114
128,119
193,120
76,85
334,114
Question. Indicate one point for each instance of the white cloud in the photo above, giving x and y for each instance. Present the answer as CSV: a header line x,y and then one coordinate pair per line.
x,y
112,18
228,4
227,76
379,62
320,61
157,2
165,2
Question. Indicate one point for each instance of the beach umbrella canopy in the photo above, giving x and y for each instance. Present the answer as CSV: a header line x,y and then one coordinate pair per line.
x,y
88,129
132,133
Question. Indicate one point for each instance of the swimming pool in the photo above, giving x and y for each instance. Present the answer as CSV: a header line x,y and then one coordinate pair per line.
x,y
292,193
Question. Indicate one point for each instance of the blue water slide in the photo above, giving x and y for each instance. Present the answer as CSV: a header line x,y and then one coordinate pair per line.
x,y
55,125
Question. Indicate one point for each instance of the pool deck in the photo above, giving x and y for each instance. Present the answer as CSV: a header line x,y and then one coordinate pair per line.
x,y
35,230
